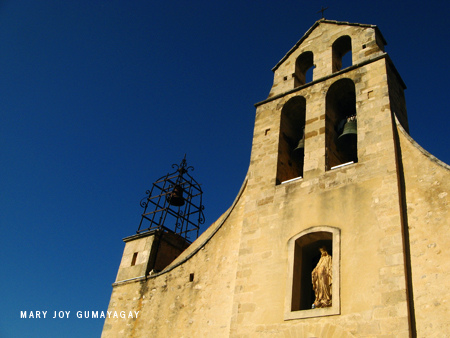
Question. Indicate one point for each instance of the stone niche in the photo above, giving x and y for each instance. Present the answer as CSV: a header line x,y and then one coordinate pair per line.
x,y
303,256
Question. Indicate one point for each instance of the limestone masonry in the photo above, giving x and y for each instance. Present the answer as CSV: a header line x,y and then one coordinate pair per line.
x,y
332,166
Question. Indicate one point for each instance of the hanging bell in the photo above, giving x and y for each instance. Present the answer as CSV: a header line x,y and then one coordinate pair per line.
x,y
349,128
349,134
300,146
175,198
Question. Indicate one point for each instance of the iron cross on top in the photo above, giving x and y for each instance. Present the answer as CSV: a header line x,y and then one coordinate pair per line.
x,y
323,9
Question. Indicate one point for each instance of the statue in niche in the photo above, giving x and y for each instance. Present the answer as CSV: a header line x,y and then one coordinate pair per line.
x,y
322,280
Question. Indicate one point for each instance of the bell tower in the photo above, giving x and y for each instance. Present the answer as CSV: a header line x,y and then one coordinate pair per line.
x,y
324,172
328,118
173,213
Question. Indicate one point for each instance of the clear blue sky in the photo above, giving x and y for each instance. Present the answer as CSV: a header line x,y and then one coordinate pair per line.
x,y
99,98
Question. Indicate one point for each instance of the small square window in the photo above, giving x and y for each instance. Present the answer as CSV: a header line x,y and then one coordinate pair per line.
x,y
133,260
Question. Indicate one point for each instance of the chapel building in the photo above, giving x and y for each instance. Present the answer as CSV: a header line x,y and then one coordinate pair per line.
x,y
340,229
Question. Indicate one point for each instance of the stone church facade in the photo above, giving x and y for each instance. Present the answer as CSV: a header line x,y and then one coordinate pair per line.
x,y
332,166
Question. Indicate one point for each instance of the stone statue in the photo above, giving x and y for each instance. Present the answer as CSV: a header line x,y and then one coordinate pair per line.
x,y
322,280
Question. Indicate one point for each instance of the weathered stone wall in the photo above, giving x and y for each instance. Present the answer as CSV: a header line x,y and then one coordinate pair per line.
x,y
142,245
397,95
427,196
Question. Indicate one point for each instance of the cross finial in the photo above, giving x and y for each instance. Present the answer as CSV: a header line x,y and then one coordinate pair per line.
x,y
323,9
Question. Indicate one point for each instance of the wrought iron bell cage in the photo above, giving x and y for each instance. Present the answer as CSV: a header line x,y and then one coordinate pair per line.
x,y
174,204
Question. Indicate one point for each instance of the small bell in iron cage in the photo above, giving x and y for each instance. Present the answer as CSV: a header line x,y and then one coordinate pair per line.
x,y
175,197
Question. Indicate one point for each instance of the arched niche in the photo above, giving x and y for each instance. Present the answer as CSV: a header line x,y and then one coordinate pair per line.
x,y
290,151
303,69
303,256
342,53
341,124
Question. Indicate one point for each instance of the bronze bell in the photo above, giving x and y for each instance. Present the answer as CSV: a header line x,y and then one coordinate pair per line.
x,y
175,198
349,128
301,145
349,134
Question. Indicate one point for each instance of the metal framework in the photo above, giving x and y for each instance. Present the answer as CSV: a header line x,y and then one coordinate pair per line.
x,y
174,204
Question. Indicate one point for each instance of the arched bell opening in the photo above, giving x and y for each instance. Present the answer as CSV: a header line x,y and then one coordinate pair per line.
x,y
291,145
341,124
342,53
304,69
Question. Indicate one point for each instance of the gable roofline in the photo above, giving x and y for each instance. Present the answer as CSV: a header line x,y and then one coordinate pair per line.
x,y
317,23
